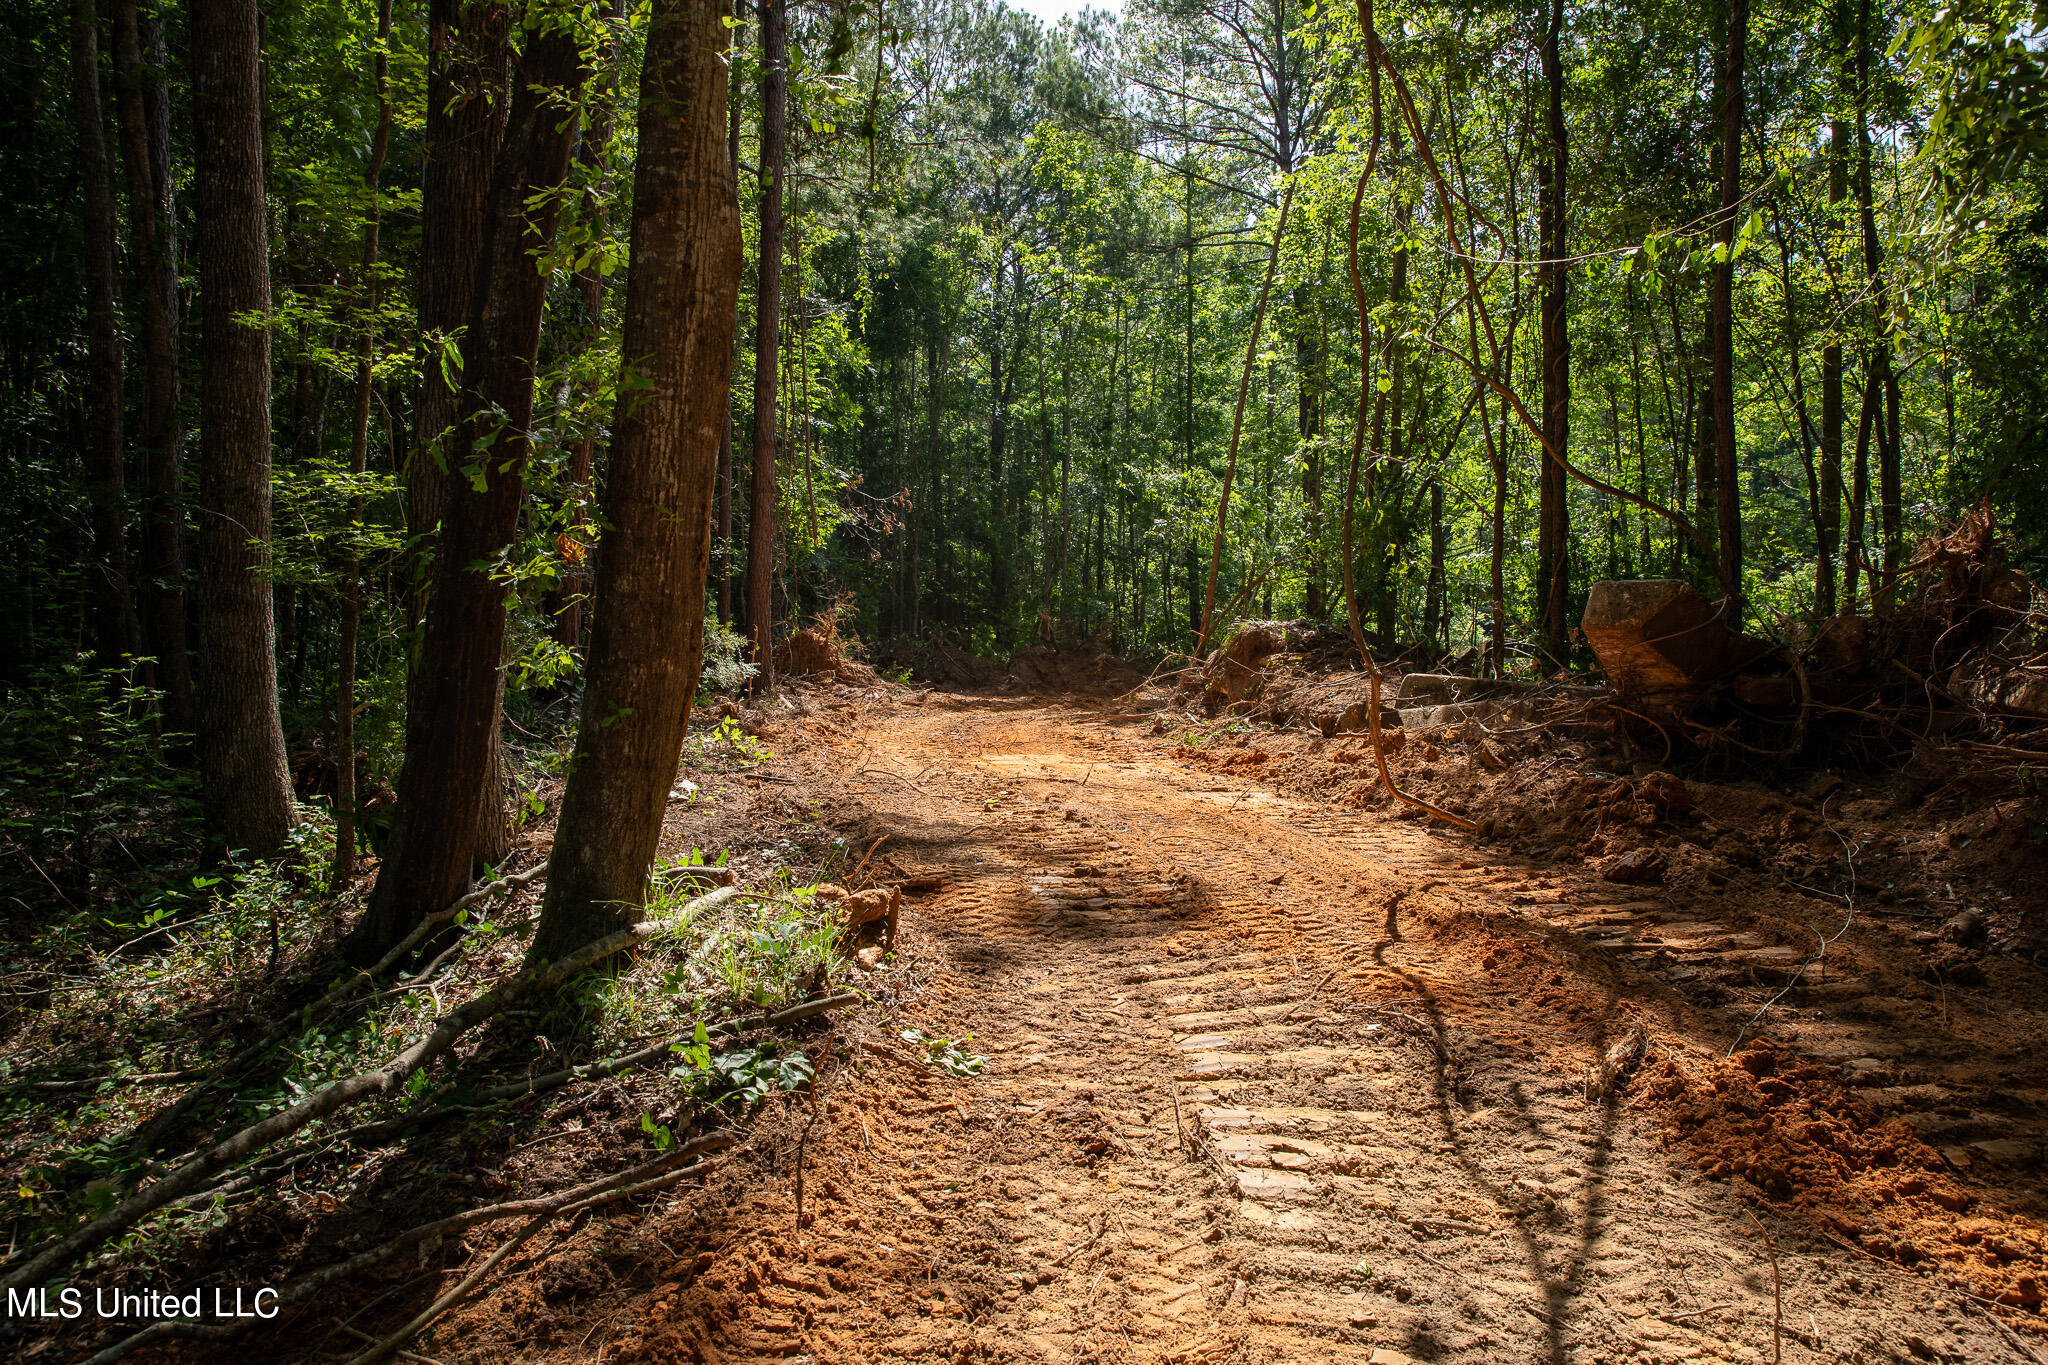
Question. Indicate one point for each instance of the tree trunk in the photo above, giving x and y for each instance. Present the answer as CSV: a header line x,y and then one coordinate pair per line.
x,y
1706,481
722,547
1496,580
466,65
1244,388
1721,311
115,633
1553,519
647,638
467,60
763,522
1830,480
569,605
142,99
243,785
1854,554
1890,495
358,461
1435,610
449,733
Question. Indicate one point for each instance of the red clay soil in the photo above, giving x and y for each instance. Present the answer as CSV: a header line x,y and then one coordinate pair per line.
x,y
1277,1073
1275,1077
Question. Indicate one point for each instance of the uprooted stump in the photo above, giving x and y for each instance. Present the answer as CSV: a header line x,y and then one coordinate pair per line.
x,y
1238,667
1661,643
818,651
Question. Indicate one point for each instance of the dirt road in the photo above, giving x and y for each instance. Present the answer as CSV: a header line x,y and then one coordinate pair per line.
x,y
1268,1080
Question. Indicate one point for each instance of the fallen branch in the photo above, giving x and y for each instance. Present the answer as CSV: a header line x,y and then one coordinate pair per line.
x,y
1379,755
35,1265
360,1335
93,1082
884,772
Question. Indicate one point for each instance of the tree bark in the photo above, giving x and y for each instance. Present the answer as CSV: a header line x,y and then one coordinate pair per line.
x,y
244,789
358,461
1553,522
723,552
1721,309
1496,559
647,637
763,523
116,635
570,600
466,71
142,100
467,64
448,750
1855,555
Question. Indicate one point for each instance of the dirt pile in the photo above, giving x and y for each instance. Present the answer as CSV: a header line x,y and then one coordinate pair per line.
x,y
941,662
1280,671
1787,1129
1084,668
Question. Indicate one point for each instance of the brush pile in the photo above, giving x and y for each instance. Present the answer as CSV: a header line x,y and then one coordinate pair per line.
x,y
819,651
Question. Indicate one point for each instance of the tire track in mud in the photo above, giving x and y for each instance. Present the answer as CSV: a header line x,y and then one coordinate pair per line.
x,y
1250,1099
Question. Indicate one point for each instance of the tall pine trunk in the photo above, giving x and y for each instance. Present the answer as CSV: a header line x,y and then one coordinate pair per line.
x,y
142,101
243,784
1721,310
359,458
1553,520
115,633
722,546
449,732
647,636
763,522
1830,480
467,62
1890,496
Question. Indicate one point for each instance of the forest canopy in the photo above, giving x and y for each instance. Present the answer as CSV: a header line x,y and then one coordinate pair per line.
x,y
329,398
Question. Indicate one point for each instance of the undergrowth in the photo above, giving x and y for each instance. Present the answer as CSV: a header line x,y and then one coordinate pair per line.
x,y
194,989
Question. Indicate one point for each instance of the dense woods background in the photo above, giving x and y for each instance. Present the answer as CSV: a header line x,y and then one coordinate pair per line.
x,y
321,363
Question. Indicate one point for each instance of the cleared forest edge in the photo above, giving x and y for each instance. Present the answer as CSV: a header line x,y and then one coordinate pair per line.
x,y
1272,1079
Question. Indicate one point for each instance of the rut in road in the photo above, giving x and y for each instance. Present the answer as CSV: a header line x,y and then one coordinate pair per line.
x,y
1249,1098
